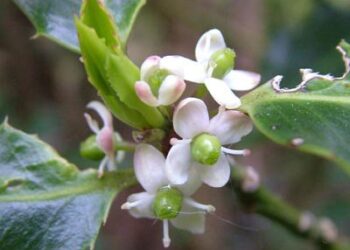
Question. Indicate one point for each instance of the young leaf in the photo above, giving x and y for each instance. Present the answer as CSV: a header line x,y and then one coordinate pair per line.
x,y
46,202
95,15
314,118
94,50
54,18
115,80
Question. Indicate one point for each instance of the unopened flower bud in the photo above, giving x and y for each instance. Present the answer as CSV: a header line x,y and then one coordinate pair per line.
x,y
222,62
156,79
168,203
158,86
90,150
206,149
149,66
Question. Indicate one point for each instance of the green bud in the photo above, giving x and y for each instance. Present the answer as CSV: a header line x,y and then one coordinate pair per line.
x,y
156,79
223,62
90,150
206,149
167,203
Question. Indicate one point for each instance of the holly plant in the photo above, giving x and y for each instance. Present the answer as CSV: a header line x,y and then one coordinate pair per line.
x,y
179,143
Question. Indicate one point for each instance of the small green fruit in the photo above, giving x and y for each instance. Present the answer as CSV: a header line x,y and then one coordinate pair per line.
x,y
206,149
90,150
223,62
167,203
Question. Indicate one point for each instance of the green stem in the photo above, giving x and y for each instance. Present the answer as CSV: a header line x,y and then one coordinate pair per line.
x,y
263,202
125,146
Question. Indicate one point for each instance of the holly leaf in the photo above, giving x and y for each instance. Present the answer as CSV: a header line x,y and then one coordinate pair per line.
x,y
116,89
314,117
45,201
54,19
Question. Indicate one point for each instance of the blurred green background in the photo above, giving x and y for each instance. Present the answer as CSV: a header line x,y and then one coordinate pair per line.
x,y
43,90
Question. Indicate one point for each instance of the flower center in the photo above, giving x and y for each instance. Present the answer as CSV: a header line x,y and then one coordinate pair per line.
x,y
167,203
222,62
206,149
156,79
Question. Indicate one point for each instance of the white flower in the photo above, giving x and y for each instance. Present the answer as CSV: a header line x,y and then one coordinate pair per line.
x,y
158,86
182,211
212,55
105,136
200,151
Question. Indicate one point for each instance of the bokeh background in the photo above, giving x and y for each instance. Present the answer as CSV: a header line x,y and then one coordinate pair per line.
x,y
44,90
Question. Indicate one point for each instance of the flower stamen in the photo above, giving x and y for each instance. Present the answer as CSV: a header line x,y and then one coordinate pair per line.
x,y
200,206
244,152
166,238
128,205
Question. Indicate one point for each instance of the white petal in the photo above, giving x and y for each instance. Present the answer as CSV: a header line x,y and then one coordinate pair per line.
x,y
149,166
221,93
181,66
230,126
144,92
210,42
143,208
93,125
103,112
190,219
216,175
192,184
190,118
178,162
171,90
149,66
105,140
242,80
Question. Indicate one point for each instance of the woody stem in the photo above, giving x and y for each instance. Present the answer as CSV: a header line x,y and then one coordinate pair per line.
x,y
267,204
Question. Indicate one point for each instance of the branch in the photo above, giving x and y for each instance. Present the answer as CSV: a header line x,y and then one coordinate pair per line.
x,y
258,199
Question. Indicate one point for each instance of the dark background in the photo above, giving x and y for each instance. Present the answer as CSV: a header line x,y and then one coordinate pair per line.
x,y
43,90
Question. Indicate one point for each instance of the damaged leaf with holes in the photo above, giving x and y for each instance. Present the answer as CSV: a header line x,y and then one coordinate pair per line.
x,y
45,201
313,118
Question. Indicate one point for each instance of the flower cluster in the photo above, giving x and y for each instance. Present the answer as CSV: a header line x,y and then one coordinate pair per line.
x,y
164,77
199,154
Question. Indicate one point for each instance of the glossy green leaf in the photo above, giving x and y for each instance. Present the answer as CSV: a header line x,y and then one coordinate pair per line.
x,y
45,201
54,18
314,119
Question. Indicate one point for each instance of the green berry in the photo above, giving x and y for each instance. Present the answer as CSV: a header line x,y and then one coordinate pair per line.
x,y
90,150
223,62
206,149
167,203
